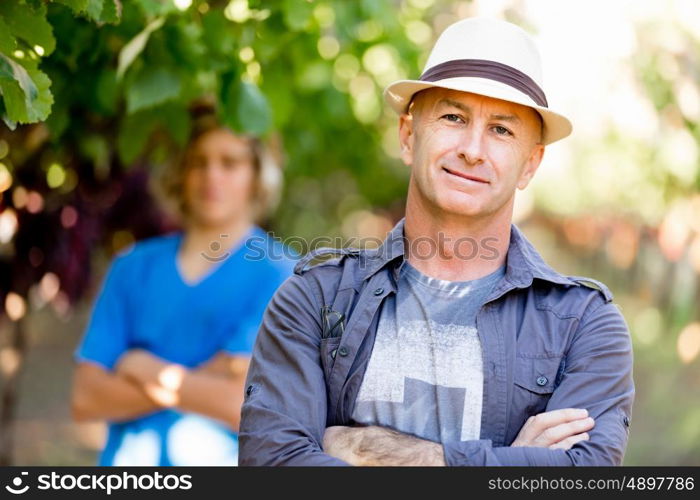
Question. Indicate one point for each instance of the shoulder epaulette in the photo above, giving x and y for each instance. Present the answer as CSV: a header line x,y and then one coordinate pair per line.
x,y
323,256
595,284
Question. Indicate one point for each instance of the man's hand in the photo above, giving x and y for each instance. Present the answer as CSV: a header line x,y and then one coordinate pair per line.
x,y
340,442
213,389
379,446
159,379
555,429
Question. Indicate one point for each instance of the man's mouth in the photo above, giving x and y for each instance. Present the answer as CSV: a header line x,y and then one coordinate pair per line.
x,y
465,176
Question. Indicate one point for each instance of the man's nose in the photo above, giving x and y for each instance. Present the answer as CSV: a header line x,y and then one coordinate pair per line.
x,y
471,144
212,172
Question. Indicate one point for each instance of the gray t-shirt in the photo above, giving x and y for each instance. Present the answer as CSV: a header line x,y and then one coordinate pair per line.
x,y
425,375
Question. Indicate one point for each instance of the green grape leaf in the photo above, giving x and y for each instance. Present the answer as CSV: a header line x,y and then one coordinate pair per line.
x,y
103,11
3,114
28,24
77,6
8,43
156,7
94,9
246,108
12,70
26,92
111,11
217,34
40,108
14,102
131,50
176,120
134,132
151,86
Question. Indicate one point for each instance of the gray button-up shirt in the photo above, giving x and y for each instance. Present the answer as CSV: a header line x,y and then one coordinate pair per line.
x,y
548,342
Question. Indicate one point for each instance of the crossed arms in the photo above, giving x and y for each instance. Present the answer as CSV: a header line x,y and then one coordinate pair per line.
x,y
142,383
284,418
380,446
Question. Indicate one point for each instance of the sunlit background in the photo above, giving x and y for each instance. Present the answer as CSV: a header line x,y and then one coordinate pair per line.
x,y
618,201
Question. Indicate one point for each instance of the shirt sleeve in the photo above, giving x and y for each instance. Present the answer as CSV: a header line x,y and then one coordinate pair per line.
x,y
283,417
597,377
106,336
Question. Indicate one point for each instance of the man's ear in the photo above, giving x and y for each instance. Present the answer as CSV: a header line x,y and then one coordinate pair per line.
x,y
531,166
406,137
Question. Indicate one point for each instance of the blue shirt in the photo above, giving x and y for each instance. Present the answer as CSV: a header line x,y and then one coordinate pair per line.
x,y
145,303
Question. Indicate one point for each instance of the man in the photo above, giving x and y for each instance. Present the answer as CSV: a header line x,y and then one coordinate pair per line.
x,y
164,357
454,343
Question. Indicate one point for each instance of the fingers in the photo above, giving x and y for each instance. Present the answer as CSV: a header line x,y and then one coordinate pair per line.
x,y
567,443
561,432
553,426
161,396
556,417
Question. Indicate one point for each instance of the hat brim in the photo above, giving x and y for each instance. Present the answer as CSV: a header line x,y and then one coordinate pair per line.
x,y
556,126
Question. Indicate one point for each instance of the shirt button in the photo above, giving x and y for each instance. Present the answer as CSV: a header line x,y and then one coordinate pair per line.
x,y
333,353
249,390
626,421
379,291
343,351
542,381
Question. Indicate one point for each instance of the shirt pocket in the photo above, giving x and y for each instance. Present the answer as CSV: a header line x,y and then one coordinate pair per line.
x,y
535,380
329,350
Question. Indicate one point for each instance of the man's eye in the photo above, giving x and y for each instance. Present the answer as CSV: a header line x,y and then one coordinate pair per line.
x,y
501,130
231,163
452,117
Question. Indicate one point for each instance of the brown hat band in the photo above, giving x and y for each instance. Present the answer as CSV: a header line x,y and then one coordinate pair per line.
x,y
482,68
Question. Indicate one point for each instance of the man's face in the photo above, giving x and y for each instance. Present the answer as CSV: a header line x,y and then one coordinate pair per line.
x,y
219,178
468,152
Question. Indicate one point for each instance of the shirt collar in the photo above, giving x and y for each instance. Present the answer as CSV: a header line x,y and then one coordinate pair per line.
x,y
523,262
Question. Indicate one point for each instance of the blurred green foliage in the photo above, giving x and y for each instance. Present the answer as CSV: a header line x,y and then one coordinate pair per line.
x,y
312,71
